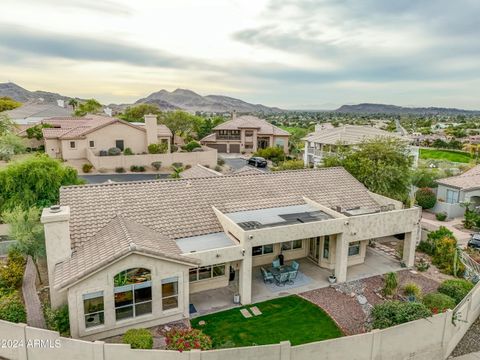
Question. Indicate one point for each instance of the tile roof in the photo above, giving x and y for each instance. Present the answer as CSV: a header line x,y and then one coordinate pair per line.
x,y
252,122
199,171
183,208
117,238
348,135
38,110
248,170
469,180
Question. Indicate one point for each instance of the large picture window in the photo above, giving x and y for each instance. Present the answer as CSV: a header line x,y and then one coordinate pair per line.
x,y
262,250
170,293
354,248
452,196
93,309
133,293
292,245
206,272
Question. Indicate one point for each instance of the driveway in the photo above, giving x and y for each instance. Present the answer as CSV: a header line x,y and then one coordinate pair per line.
x,y
101,178
235,163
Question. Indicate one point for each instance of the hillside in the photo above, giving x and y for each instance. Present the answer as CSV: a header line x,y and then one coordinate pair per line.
x,y
18,93
367,108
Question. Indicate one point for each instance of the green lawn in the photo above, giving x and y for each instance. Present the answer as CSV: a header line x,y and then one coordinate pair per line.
x,y
448,155
287,318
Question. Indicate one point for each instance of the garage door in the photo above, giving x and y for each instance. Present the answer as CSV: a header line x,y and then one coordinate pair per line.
x,y
235,148
221,148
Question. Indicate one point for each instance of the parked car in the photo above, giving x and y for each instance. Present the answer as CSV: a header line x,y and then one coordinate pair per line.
x,y
474,241
257,161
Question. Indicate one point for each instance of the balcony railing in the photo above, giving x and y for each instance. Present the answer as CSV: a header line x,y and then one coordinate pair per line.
x,y
228,137
316,152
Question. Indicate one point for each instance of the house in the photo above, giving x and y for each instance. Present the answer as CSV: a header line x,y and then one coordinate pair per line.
x,y
30,114
455,190
134,254
246,134
324,142
73,137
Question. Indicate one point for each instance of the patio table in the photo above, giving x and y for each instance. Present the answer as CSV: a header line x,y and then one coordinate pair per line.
x,y
280,270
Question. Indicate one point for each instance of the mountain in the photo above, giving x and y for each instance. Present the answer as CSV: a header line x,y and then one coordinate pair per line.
x,y
18,93
367,108
191,101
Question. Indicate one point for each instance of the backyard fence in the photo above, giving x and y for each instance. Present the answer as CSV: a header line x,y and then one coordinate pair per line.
x,y
431,338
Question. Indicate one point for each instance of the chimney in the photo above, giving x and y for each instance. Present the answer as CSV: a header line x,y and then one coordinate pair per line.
x,y
57,243
61,103
318,127
108,111
234,114
151,128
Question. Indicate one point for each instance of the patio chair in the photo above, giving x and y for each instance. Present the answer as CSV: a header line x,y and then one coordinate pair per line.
x,y
295,265
276,264
267,276
281,279
292,275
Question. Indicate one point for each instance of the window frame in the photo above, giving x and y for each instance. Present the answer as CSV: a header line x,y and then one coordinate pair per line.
x,y
454,198
73,144
91,296
212,272
263,250
132,288
170,280
354,245
91,143
291,245
326,247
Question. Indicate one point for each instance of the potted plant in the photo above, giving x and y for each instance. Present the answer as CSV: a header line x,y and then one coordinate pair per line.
x,y
332,279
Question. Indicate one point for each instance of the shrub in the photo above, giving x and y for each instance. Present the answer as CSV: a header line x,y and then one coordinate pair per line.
x,y
438,302
220,161
188,167
58,319
127,151
86,168
187,339
425,198
119,170
457,289
391,284
177,164
114,151
412,289
218,168
423,265
156,165
161,148
289,165
391,313
271,153
192,145
446,257
174,148
137,168
12,309
11,275
138,338
441,216
429,245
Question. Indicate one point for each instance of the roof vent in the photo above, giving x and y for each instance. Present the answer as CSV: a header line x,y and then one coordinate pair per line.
x,y
55,208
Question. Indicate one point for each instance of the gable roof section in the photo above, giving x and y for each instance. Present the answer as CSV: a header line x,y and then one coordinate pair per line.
x,y
252,122
348,135
469,180
115,240
183,208
198,171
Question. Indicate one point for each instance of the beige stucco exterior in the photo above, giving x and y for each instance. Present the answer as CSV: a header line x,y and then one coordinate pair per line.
x,y
244,142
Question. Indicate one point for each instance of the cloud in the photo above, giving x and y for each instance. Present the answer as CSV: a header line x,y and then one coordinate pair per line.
x,y
104,6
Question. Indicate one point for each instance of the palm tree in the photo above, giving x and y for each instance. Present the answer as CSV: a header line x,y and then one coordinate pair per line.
x,y
73,103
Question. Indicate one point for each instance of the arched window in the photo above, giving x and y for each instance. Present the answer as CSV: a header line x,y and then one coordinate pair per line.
x,y
133,293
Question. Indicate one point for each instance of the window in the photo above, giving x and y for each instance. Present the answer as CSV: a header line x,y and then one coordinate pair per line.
x,y
279,142
133,293
452,196
119,144
354,248
93,309
262,250
326,247
170,293
248,132
292,245
206,272
91,143
72,144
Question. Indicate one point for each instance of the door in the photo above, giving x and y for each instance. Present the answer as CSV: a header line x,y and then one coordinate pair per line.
x,y
221,148
119,144
314,251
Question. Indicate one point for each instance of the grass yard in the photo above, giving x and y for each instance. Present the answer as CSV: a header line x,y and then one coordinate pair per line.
x,y
287,318
448,155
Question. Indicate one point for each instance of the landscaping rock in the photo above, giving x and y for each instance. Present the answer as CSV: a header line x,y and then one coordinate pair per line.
x,y
201,322
362,300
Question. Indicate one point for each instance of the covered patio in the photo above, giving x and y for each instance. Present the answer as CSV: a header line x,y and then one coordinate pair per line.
x,y
310,277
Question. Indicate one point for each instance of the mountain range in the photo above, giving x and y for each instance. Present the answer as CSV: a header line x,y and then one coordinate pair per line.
x,y
367,108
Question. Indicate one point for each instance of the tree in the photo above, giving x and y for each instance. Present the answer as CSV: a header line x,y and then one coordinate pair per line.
x,y
137,113
6,125
425,198
7,103
381,164
205,127
25,227
91,106
36,131
73,103
423,178
11,144
34,182
180,123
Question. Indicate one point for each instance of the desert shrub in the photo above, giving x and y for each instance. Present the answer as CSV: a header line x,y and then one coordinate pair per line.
x,y
446,257
177,164
160,148
58,319
429,245
423,265
127,151
218,168
220,161
86,168
192,145
271,153
391,313
187,339
289,165
471,219
441,216
457,289
425,198
438,302
188,166
11,275
114,151
137,168
12,309
138,338
119,170
156,165
412,289
391,283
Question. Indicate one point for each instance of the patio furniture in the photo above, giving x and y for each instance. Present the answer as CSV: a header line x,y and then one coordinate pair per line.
x,y
276,263
281,279
292,275
295,265
267,276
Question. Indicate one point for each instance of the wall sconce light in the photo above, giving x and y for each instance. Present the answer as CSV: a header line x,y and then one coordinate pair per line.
x,y
346,222
218,255
250,237
243,252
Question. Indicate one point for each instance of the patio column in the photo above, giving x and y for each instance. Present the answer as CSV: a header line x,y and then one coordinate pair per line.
x,y
245,277
341,258
409,245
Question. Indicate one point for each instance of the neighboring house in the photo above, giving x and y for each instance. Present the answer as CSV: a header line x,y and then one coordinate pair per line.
x,y
455,190
72,137
130,255
246,134
30,114
324,142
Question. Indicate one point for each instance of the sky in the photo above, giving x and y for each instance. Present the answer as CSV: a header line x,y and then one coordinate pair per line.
x,y
294,54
